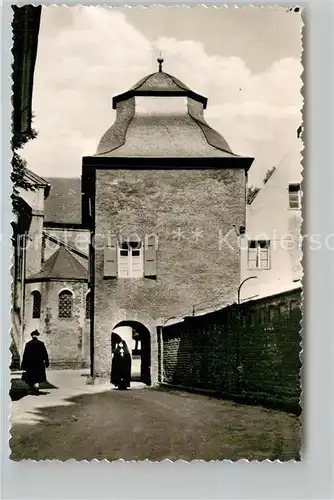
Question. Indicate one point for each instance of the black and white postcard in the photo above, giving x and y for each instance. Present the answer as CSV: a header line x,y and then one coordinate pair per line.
x,y
156,233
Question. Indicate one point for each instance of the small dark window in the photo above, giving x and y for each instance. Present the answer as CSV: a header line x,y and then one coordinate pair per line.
x,y
124,253
294,196
135,253
136,244
65,305
36,304
128,245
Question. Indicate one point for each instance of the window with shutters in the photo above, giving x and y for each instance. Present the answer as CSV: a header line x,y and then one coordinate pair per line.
x,y
65,305
130,259
258,254
294,196
36,304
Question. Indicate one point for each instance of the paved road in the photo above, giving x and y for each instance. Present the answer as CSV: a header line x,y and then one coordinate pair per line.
x,y
84,422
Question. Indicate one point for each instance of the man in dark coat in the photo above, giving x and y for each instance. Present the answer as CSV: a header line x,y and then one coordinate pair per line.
x,y
35,360
121,366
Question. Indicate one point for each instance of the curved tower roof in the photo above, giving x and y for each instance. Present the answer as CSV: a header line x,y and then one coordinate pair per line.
x,y
181,133
161,84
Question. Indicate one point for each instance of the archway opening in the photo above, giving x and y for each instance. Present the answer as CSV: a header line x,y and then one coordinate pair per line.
x,y
138,340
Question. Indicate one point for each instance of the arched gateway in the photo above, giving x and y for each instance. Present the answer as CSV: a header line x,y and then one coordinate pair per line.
x,y
160,172
138,340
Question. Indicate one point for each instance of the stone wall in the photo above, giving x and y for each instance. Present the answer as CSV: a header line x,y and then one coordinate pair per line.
x,y
35,199
86,344
190,212
67,340
250,351
34,246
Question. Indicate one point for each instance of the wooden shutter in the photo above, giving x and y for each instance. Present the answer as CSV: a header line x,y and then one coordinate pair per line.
x,y
150,257
110,257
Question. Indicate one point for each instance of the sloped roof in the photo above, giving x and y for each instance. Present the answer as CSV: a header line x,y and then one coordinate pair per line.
x,y
61,266
161,135
159,83
64,201
180,134
36,180
70,243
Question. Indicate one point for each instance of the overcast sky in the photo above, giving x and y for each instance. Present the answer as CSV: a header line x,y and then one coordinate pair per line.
x,y
245,61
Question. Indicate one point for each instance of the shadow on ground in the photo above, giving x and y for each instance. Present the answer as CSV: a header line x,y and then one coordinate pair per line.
x,y
155,425
19,389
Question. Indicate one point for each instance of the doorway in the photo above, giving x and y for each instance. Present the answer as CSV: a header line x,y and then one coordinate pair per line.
x,y
138,340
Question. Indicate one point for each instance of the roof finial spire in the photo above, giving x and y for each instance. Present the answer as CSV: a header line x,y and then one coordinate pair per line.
x,y
160,61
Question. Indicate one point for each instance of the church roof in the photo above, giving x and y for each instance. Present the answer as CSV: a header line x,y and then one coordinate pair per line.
x,y
61,266
64,202
71,244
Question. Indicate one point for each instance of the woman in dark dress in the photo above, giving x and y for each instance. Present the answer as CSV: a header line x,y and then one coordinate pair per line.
x,y
34,361
121,366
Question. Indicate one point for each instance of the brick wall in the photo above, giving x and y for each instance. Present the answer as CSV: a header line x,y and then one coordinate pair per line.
x,y
250,350
189,270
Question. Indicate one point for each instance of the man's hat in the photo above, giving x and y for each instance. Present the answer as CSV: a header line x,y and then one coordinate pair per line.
x,y
35,333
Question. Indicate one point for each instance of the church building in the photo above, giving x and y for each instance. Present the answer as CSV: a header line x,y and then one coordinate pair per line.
x,y
158,197
50,272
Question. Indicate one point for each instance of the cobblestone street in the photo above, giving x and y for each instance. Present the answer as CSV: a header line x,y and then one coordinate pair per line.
x,y
79,421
